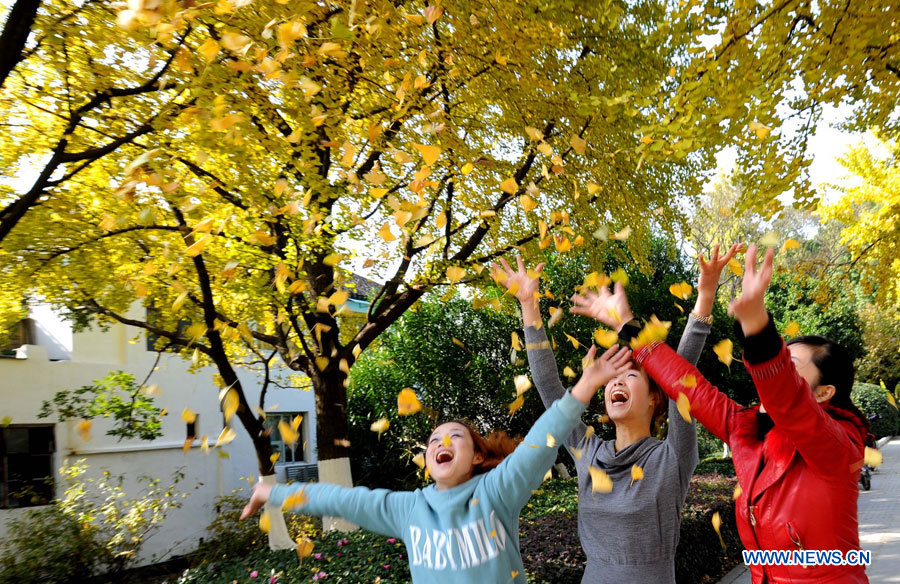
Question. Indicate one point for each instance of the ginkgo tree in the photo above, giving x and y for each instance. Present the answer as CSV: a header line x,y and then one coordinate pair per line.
x,y
287,140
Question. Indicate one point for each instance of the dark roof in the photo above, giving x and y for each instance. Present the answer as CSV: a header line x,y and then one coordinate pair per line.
x,y
363,288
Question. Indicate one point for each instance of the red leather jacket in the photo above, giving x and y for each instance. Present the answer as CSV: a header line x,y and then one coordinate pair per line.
x,y
804,497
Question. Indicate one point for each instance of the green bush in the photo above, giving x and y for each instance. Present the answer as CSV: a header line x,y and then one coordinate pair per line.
x,y
715,465
872,399
94,528
232,538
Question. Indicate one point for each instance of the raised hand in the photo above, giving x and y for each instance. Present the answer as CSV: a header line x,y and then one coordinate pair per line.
x,y
749,308
258,498
709,278
525,286
610,308
597,373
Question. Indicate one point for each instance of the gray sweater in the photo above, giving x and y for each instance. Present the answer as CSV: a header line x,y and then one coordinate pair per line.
x,y
629,535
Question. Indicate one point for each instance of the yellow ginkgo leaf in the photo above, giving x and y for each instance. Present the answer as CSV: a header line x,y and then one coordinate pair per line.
x,y
509,186
684,407
204,444
556,314
723,349
790,244
429,153
600,481
613,313
188,442
619,276
419,460
792,329
295,423
295,500
605,338
304,548
551,441
523,384
681,290
534,134
274,458
717,525
380,425
688,380
572,340
265,522
735,266
230,403
647,140
578,144
288,434
225,436
770,239
576,452
516,404
332,259
514,573
654,331
407,402
446,441
737,493
761,130
455,273
589,431
872,457
198,246
467,168
188,416
84,430
385,233
516,341
528,204
637,473
568,372
621,235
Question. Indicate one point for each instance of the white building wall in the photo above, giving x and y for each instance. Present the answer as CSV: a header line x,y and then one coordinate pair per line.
x,y
31,378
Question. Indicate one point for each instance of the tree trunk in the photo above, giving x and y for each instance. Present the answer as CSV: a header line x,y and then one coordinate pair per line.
x,y
331,437
15,34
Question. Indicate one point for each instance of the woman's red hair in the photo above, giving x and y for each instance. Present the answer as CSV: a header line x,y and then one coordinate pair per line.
x,y
493,448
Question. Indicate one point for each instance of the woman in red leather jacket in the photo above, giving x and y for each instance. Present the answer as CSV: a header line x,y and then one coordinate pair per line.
x,y
797,455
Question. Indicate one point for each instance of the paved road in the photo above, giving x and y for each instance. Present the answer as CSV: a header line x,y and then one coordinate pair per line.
x,y
879,522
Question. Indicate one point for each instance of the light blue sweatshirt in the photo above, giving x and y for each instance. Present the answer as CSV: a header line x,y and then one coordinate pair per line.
x,y
469,533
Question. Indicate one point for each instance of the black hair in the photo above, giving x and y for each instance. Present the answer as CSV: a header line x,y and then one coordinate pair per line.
x,y
835,366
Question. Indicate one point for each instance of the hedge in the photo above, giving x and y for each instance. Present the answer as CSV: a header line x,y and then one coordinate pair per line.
x,y
872,399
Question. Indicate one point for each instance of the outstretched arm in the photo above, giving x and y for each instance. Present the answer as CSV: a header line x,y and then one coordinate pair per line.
x,y
379,510
541,360
512,482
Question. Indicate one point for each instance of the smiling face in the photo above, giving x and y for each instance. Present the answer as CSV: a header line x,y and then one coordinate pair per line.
x,y
628,398
450,456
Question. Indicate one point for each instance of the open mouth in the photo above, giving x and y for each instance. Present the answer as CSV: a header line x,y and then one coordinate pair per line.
x,y
618,397
443,456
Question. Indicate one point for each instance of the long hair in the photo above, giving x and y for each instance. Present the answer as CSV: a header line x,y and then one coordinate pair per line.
x,y
835,368
493,448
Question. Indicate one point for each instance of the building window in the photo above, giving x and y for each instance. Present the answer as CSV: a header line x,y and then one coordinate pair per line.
x,y
26,475
21,333
287,453
192,427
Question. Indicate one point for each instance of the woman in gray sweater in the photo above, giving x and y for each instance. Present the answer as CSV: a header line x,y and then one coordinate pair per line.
x,y
629,534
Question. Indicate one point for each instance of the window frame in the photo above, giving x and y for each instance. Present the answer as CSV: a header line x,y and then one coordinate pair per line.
x,y
30,455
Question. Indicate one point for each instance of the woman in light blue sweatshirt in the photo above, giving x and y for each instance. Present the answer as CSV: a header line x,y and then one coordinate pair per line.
x,y
464,527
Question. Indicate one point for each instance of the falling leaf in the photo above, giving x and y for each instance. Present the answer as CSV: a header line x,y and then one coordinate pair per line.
x,y
509,186
723,349
455,274
516,341
556,314
613,313
419,460
528,204
288,434
637,473
304,548
265,522
647,140
225,436
688,380
295,423
407,402
446,441
600,481
790,244
188,442
590,431
380,425
429,153
230,403
654,330
619,276
576,452
516,404
770,239
621,235
385,233
684,407
296,499
872,457
551,441
209,50
735,266
188,416
534,134
737,493
761,130
578,145
605,338
84,430
204,444
717,525
568,372
792,329
681,290
514,573
198,246
523,384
